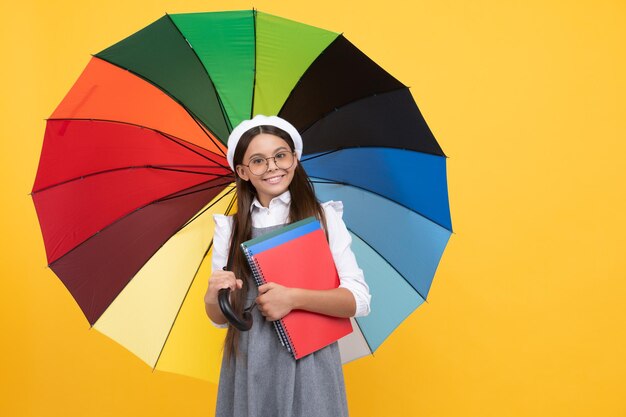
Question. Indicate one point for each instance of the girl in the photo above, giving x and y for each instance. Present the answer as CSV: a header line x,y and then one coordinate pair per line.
x,y
259,377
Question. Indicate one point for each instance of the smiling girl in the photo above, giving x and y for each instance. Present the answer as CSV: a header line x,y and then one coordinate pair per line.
x,y
259,377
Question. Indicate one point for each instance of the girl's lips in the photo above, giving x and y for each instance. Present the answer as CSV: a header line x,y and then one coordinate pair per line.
x,y
275,179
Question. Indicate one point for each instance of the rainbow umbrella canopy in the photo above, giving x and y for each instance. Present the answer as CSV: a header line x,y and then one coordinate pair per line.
x,y
133,167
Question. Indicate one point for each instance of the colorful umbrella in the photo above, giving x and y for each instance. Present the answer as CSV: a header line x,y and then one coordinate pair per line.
x,y
132,169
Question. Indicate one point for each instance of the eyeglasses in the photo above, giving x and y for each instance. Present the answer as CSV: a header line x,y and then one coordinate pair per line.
x,y
259,165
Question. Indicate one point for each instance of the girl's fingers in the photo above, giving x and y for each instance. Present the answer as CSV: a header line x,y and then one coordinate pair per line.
x,y
265,287
232,284
225,279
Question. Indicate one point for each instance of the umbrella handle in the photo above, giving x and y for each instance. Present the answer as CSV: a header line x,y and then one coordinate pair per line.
x,y
243,324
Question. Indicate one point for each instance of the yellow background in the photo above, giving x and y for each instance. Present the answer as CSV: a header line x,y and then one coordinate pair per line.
x,y
526,316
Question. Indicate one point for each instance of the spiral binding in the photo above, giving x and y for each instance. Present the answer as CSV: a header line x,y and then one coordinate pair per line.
x,y
291,347
279,326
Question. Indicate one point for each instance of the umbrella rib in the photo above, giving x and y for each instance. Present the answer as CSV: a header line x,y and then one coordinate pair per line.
x,y
231,204
254,14
388,263
169,197
202,127
158,167
329,181
217,94
176,140
305,72
334,109
167,136
195,275
165,168
322,154
346,148
206,208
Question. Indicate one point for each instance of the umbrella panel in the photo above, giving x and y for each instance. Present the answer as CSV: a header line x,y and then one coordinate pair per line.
x,y
340,75
160,55
390,120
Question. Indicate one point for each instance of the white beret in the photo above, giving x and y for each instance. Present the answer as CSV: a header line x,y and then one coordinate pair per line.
x,y
260,120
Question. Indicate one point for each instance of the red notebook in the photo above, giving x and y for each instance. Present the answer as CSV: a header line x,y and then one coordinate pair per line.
x,y
298,256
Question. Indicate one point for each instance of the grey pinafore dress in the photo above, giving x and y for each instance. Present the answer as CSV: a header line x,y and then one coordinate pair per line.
x,y
264,380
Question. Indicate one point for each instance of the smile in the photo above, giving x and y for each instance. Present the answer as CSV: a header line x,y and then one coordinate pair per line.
x,y
274,180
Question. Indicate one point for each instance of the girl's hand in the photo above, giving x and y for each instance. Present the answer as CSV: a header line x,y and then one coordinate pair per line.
x,y
275,301
219,280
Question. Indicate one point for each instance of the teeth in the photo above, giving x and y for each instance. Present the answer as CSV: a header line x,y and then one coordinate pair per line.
x,y
274,180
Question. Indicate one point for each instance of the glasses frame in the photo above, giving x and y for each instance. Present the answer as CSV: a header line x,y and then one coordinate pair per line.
x,y
267,162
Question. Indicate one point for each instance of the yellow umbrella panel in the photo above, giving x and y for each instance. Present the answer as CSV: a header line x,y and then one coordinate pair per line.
x,y
160,316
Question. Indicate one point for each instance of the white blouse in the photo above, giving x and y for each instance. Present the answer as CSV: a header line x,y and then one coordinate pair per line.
x,y
339,239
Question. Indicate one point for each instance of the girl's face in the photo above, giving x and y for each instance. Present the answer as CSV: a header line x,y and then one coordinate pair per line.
x,y
275,180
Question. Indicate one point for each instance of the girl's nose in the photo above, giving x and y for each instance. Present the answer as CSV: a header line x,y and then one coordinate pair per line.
x,y
271,164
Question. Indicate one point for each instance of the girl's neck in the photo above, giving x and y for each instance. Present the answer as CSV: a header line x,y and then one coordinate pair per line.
x,y
265,201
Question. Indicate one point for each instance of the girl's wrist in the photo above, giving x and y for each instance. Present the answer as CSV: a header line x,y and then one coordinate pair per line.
x,y
296,298
210,298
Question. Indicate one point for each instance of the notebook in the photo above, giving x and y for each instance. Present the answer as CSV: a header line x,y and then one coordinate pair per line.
x,y
298,255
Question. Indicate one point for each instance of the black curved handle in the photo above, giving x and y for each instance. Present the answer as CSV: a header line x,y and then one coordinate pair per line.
x,y
244,324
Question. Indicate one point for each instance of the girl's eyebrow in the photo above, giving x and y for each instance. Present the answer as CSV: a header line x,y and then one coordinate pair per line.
x,y
275,151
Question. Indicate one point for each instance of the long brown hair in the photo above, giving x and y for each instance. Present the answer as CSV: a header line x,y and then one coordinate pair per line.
x,y
303,205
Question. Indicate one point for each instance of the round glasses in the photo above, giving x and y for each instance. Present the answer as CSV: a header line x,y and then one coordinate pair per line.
x,y
259,165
